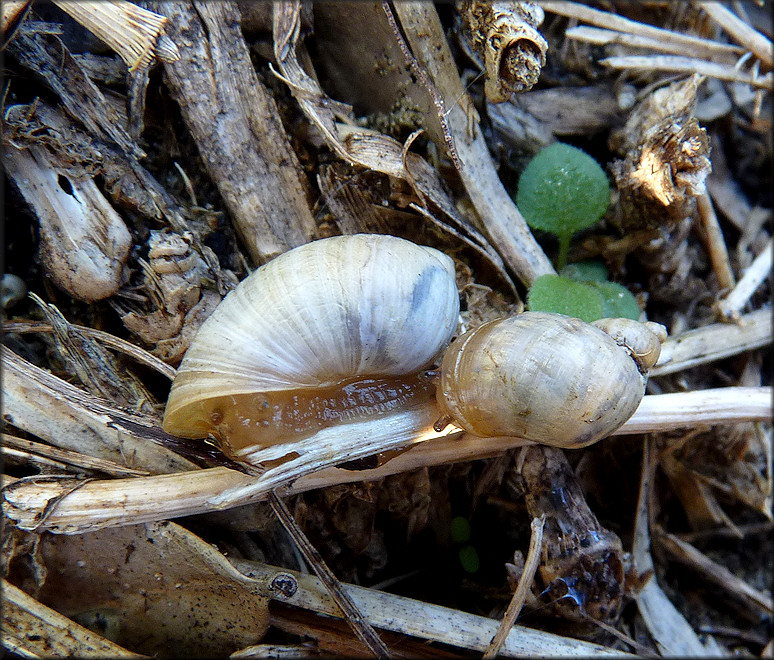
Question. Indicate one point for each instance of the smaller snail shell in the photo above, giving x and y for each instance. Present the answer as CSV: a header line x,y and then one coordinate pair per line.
x,y
545,377
326,332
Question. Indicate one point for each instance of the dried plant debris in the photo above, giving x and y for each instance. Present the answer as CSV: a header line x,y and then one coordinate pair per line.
x,y
175,276
667,158
151,170
505,37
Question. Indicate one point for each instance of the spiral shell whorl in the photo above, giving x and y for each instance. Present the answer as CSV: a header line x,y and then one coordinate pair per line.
x,y
544,377
334,309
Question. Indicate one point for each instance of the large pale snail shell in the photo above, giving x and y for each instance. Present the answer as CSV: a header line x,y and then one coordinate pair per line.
x,y
332,331
548,377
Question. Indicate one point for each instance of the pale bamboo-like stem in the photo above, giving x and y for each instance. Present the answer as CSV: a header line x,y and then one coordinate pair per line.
x,y
70,507
679,64
701,47
714,342
129,30
754,276
422,620
750,38
603,37
715,243
500,218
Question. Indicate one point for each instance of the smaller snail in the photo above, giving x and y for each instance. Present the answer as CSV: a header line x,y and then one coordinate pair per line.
x,y
547,377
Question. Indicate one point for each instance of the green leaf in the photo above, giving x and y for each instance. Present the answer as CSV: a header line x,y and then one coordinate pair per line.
x,y
460,529
469,559
618,301
586,271
562,190
561,295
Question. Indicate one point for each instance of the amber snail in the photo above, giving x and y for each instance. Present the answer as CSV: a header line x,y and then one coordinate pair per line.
x,y
341,330
548,377
333,332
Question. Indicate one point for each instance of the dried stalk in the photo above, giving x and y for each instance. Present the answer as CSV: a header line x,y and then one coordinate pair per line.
x,y
678,64
698,46
359,624
42,404
672,633
758,272
751,39
105,338
234,119
33,630
128,501
129,30
715,243
522,589
714,342
602,37
687,555
499,217
66,458
423,620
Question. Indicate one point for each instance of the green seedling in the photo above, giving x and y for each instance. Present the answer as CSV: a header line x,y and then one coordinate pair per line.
x,y
563,190
583,291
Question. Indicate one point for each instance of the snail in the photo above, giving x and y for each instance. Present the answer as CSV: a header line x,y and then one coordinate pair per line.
x,y
333,332
338,332
547,377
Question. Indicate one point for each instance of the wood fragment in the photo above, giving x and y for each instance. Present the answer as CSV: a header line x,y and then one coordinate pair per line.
x,y
581,563
758,273
234,119
504,35
715,243
45,55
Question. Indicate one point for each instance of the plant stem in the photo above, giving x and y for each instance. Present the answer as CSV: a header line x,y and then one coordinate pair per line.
x,y
564,248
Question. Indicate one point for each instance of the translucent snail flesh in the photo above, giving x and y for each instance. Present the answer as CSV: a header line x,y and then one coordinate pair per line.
x,y
548,377
330,332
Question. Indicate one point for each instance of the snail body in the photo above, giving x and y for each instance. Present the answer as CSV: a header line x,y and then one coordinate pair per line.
x,y
333,332
547,377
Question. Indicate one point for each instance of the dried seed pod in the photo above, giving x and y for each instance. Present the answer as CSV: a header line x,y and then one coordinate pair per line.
x,y
547,377
504,35
332,332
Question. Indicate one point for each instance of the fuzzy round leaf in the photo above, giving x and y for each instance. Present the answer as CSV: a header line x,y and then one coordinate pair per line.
x,y
618,301
561,295
563,190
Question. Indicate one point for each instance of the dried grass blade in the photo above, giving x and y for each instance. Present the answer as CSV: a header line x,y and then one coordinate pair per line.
x,y
129,30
